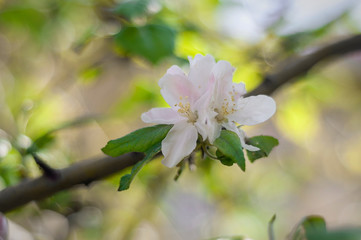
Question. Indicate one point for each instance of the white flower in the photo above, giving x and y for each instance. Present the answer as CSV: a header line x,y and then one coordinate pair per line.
x,y
203,103
227,106
186,97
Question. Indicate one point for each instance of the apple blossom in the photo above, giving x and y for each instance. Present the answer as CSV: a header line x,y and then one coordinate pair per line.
x,y
203,103
227,107
186,96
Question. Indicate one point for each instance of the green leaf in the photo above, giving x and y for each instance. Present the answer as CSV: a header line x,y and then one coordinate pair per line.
x,y
314,228
229,145
224,160
20,17
131,8
264,143
153,42
344,234
147,140
308,225
140,140
126,180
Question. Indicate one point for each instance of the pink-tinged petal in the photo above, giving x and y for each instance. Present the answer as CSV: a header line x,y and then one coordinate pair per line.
x,y
253,110
200,71
223,71
175,87
223,74
203,103
180,141
242,136
173,71
161,116
204,113
206,123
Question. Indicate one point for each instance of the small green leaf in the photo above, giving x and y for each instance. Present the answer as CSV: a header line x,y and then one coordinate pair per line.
x,y
308,225
147,140
140,140
131,8
127,179
223,159
229,145
264,143
153,42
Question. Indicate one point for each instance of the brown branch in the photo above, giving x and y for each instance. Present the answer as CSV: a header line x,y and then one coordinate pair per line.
x,y
88,171
297,66
83,172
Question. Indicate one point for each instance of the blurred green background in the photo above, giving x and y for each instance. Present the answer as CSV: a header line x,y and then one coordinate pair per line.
x,y
88,69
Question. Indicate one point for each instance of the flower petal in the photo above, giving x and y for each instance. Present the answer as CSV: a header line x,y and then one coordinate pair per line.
x,y
209,129
175,87
200,70
253,110
240,89
180,141
206,123
222,73
161,116
213,130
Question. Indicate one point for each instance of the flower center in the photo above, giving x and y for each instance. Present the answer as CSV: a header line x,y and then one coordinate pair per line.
x,y
228,107
185,110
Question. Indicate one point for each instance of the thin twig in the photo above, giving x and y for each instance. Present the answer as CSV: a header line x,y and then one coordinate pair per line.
x,y
271,234
47,170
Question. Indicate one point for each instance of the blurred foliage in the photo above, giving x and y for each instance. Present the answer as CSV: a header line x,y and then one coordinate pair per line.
x,y
314,228
63,60
153,42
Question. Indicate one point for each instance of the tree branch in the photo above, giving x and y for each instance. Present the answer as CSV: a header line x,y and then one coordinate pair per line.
x,y
295,67
88,171
83,172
